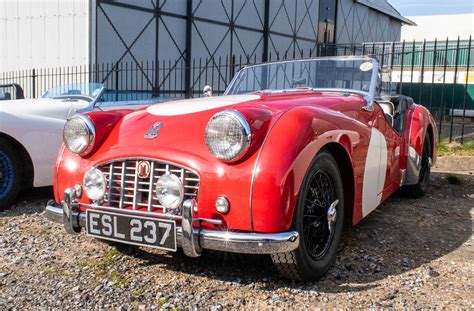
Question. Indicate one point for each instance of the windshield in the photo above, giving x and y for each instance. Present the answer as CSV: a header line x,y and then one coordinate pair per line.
x,y
357,74
91,90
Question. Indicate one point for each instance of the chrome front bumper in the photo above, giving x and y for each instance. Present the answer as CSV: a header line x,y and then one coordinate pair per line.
x,y
190,238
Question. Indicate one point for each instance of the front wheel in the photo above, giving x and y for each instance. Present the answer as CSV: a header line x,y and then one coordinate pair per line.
x,y
10,174
318,218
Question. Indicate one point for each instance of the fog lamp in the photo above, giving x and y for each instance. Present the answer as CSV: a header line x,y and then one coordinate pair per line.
x,y
95,184
222,204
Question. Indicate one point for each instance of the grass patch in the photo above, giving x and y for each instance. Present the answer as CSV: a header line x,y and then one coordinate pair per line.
x,y
47,231
49,271
453,179
137,293
161,301
445,148
101,268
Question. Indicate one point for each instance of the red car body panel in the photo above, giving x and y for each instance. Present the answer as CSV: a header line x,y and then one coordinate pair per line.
x,y
288,130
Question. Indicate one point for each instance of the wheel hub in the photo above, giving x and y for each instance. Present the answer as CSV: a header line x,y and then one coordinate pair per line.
x,y
332,214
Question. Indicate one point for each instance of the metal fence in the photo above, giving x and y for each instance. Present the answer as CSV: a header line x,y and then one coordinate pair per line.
x,y
438,75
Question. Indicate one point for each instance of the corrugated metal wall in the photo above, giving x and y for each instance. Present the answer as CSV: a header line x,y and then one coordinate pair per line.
x,y
43,33
357,23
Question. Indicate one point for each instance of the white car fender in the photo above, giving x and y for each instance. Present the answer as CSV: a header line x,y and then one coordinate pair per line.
x,y
40,136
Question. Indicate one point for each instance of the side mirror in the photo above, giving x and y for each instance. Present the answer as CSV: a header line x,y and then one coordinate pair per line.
x,y
207,91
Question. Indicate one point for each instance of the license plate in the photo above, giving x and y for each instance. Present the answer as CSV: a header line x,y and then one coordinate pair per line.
x,y
135,230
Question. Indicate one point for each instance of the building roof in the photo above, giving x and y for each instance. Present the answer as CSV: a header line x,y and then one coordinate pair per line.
x,y
383,6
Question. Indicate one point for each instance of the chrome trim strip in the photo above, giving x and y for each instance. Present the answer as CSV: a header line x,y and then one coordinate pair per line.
x,y
238,242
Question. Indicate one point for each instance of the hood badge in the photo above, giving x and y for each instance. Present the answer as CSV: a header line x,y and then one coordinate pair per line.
x,y
143,169
154,131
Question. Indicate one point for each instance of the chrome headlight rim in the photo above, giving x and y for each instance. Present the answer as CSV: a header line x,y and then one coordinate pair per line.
x,y
103,189
180,187
246,131
91,133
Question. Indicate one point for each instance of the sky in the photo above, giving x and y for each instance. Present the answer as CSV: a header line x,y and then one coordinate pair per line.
x,y
433,7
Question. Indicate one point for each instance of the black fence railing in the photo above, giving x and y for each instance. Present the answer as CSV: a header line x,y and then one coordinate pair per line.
x,y
438,75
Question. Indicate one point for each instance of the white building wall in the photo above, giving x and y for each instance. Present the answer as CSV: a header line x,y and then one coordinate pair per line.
x,y
43,33
440,27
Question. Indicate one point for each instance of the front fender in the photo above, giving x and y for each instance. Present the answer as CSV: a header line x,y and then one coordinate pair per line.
x,y
285,156
40,136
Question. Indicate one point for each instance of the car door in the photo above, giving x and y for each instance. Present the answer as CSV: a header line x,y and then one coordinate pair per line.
x,y
382,169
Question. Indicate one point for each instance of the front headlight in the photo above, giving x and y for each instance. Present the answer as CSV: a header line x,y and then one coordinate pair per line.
x,y
169,191
79,134
94,184
228,135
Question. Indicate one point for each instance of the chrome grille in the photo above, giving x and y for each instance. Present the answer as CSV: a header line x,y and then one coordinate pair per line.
x,y
125,189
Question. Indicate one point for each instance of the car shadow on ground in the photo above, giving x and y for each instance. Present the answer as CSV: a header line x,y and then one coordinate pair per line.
x,y
401,235
29,202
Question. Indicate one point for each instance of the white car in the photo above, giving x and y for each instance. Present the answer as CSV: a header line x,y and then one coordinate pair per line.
x,y
31,132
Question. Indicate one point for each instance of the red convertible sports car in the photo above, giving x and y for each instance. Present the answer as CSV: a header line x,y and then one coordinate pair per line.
x,y
291,153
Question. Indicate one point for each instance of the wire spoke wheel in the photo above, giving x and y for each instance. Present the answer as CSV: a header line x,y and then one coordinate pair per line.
x,y
319,216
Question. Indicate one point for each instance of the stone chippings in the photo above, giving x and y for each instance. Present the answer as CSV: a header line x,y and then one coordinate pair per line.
x,y
408,253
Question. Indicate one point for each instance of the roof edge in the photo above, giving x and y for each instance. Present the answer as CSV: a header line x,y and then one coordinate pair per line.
x,y
380,9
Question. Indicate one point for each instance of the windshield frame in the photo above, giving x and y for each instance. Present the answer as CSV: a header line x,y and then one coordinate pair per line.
x,y
90,99
368,96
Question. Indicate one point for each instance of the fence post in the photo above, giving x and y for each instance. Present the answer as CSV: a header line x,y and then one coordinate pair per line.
x,y
453,95
187,71
468,64
117,81
232,66
266,30
33,83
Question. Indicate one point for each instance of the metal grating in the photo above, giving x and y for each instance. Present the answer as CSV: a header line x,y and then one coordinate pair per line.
x,y
125,189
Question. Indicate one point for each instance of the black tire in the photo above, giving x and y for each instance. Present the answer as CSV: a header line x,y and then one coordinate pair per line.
x,y
419,190
316,252
10,174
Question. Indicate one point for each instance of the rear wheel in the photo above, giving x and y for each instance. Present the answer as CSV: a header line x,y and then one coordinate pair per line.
x,y
419,190
318,218
10,174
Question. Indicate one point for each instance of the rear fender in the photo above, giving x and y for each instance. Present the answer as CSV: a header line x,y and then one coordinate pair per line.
x,y
421,121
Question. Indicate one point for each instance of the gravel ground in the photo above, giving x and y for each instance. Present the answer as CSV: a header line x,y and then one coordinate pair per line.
x,y
408,253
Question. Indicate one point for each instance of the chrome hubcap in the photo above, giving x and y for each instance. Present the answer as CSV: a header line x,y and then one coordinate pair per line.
x,y
332,215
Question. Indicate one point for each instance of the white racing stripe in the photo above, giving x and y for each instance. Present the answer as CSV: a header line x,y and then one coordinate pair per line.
x,y
374,172
186,106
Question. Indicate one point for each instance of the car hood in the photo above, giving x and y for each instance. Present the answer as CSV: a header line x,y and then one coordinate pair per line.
x,y
46,107
183,122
